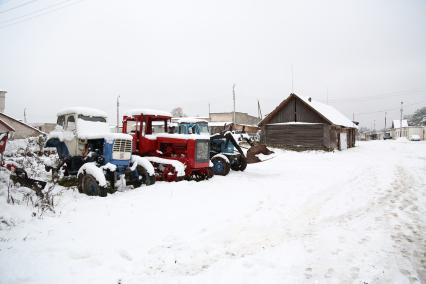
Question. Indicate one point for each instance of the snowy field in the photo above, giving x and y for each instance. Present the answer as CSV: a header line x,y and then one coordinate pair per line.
x,y
356,216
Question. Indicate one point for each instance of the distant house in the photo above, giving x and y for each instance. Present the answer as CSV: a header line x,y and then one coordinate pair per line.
x,y
406,130
240,117
44,127
397,123
5,127
302,123
20,129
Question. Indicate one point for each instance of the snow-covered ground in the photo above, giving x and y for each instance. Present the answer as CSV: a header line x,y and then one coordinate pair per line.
x,y
356,216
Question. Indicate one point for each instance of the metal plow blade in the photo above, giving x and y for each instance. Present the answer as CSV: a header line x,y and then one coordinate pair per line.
x,y
255,150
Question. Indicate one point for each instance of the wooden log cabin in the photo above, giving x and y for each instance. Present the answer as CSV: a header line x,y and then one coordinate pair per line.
x,y
300,123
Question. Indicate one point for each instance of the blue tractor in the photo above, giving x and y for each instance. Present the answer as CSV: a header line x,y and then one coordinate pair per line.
x,y
225,153
98,158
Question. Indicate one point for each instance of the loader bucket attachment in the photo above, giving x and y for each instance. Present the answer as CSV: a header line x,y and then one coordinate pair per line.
x,y
255,150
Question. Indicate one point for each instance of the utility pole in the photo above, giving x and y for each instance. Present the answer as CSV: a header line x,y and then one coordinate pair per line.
x,y
400,122
385,123
374,125
233,97
118,114
25,115
209,110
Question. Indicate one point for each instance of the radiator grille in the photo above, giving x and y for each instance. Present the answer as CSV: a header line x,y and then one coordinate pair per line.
x,y
121,145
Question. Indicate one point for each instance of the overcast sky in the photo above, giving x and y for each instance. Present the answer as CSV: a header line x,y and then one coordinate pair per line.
x,y
366,55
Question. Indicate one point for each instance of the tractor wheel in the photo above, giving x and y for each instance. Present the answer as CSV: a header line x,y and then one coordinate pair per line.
x,y
169,174
220,166
89,185
240,166
144,177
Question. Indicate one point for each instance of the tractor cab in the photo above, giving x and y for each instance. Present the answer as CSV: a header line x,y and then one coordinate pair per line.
x,y
83,134
186,125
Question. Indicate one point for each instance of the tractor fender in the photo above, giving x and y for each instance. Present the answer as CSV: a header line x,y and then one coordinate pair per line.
x,y
95,171
222,156
60,146
144,163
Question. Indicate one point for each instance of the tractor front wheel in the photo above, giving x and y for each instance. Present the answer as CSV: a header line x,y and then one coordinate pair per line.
x,y
144,177
220,166
89,185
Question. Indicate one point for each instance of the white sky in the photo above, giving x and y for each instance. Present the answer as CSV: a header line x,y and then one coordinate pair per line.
x,y
368,54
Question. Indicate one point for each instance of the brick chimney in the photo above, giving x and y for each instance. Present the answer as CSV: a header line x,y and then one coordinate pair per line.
x,y
2,101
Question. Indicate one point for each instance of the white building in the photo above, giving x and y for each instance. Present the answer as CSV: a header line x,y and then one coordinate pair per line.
x,y
407,131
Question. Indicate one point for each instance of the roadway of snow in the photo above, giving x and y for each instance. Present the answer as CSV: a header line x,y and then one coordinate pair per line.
x,y
356,216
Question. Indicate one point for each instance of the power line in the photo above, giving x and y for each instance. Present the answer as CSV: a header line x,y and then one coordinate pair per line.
x,y
38,13
382,95
18,6
387,110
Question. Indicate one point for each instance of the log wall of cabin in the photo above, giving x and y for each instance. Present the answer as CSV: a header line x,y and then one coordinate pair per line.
x,y
309,136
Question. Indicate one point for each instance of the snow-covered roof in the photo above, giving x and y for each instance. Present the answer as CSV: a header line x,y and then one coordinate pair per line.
x,y
84,111
397,123
188,120
146,111
327,111
20,122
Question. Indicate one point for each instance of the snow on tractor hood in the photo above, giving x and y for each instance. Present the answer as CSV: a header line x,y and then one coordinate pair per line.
x,y
88,130
97,130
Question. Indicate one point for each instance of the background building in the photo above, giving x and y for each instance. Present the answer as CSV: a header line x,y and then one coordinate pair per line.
x,y
300,123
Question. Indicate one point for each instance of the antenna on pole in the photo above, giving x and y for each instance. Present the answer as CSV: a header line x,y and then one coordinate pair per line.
x,y
118,114
259,111
292,79
233,97
400,122
25,115
209,110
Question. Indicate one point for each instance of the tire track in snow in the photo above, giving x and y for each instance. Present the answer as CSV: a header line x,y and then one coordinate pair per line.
x,y
300,226
406,219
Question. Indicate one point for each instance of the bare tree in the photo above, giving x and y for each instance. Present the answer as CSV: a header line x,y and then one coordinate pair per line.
x,y
178,112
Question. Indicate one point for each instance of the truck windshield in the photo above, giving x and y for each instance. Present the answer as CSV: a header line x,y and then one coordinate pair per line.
x,y
204,128
92,118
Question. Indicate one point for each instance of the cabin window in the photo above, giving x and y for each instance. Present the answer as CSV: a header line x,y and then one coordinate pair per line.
x,y
71,123
61,120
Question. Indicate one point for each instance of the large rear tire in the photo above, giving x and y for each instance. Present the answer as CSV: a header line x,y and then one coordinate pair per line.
x,y
89,185
221,167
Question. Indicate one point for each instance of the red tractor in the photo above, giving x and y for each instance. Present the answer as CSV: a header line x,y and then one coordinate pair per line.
x,y
174,156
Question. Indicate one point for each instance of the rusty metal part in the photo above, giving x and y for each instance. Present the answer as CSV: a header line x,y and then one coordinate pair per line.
x,y
255,150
